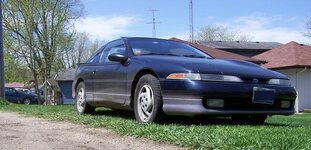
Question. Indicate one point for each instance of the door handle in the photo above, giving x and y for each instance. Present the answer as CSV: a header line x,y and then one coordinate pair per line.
x,y
95,71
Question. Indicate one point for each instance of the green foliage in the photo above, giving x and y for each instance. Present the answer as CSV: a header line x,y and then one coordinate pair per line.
x,y
279,132
307,111
14,71
4,102
37,31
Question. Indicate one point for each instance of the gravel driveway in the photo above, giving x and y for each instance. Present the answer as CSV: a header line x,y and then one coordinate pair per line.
x,y
18,132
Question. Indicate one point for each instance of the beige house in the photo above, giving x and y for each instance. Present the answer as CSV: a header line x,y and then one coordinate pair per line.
x,y
293,60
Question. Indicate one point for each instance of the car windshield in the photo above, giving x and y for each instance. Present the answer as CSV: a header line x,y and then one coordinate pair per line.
x,y
165,47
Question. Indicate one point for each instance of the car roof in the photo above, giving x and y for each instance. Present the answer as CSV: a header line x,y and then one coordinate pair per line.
x,y
143,38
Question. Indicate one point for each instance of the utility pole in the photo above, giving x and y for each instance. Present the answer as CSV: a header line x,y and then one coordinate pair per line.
x,y
191,21
2,94
154,22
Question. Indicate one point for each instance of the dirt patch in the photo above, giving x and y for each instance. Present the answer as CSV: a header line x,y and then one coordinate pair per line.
x,y
18,132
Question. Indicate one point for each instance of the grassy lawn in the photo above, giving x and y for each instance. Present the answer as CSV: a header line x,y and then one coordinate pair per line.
x,y
279,132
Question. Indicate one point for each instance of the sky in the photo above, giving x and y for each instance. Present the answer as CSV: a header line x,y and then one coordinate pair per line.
x,y
261,20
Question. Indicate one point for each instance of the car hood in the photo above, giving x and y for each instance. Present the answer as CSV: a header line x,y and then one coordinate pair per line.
x,y
217,66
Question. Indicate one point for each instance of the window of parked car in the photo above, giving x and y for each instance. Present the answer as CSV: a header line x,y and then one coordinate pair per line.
x,y
112,48
9,90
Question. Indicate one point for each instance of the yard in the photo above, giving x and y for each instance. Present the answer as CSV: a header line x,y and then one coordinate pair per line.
x,y
279,132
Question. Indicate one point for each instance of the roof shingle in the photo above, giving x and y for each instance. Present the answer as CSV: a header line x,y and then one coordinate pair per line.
x,y
289,55
240,45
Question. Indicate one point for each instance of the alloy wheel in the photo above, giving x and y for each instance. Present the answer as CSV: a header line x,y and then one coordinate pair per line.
x,y
145,102
27,101
81,100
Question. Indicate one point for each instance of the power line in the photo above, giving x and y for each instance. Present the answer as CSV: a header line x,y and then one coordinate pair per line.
x,y
154,22
191,20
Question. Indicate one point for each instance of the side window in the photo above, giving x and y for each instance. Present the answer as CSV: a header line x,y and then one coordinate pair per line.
x,y
9,90
94,59
115,47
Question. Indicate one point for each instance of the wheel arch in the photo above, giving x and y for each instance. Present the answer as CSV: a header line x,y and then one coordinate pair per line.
x,y
138,75
76,85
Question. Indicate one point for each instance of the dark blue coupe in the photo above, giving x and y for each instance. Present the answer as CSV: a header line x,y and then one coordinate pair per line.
x,y
157,77
19,97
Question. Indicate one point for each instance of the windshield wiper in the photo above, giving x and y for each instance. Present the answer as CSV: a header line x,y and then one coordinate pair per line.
x,y
160,54
194,56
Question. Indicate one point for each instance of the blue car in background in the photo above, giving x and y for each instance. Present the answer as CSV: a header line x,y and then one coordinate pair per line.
x,y
20,97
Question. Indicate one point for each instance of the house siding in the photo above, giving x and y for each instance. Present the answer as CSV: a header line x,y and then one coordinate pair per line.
x,y
301,80
65,87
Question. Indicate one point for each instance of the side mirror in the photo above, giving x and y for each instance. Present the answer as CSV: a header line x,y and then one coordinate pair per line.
x,y
117,57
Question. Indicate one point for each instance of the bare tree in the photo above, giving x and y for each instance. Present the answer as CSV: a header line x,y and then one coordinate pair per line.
x,y
82,44
308,28
219,33
94,46
79,50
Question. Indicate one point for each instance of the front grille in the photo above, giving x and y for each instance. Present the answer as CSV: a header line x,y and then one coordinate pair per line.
x,y
255,80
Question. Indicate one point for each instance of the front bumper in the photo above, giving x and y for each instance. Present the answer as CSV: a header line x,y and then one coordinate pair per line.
x,y
186,97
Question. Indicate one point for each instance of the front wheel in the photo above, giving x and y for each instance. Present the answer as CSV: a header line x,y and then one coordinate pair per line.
x,y
148,100
27,101
82,107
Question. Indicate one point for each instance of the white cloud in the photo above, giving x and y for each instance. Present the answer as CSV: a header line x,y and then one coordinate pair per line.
x,y
263,28
106,27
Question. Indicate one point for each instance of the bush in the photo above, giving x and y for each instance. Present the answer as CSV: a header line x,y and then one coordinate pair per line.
x,y
4,102
307,111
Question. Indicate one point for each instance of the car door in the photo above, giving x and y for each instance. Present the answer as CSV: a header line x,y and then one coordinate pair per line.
x,y
109,78
87,71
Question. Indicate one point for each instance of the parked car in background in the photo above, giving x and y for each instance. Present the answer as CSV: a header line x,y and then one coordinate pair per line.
x,y
157,77
27,91
20,97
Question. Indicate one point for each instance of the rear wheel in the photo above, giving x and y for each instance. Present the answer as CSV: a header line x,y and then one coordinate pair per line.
x,y
249,119
82,107
148,100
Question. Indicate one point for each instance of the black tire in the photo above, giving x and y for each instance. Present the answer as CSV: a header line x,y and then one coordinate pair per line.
x,y
27,101
156,114
84,107
249,119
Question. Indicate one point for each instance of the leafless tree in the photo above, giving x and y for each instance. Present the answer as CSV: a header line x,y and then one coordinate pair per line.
x,y
219,33
308,28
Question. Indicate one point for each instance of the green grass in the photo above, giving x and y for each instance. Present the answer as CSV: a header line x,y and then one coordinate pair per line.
x,y
279,132
3,102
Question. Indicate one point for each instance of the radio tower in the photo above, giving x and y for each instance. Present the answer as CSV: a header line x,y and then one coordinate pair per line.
x,y
191,21
154,22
